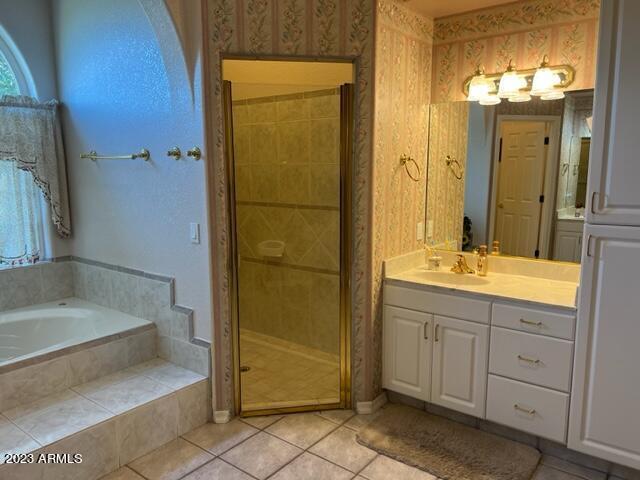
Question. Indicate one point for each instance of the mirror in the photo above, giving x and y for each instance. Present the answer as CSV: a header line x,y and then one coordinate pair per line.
x,y
515,173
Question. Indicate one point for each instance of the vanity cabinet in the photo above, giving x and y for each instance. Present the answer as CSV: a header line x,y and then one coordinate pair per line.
x,y
606,390
508,362
460,365
567,246
613,195
407,346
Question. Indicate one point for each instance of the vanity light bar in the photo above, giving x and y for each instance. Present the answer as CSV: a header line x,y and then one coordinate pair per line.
x,y
565,74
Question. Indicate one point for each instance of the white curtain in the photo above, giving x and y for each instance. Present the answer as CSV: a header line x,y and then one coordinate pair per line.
x,y
21,230
31,141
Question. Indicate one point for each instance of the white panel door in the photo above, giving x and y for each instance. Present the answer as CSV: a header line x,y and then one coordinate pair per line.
x,y
460,351
605,396
520,185
614,166
407,347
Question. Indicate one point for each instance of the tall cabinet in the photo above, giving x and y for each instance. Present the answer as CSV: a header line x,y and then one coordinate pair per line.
x,y
605,401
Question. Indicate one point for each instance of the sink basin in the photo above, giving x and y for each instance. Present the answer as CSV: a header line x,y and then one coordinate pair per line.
x,y
450,278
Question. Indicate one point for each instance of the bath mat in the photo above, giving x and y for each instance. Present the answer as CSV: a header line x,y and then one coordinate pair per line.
x,y
447,449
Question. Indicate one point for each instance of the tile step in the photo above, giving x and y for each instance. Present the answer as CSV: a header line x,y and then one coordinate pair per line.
x,y
110,421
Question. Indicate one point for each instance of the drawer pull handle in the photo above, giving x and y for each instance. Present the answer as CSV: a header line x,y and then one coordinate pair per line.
x,y
426,336
529,322
535,361
531,411
437,330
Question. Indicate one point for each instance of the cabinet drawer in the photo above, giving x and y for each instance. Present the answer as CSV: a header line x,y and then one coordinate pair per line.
x,y
529,408
544,322
456,306
531,358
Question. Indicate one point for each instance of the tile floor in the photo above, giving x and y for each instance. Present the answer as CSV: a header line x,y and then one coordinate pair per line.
x,y
283,374
310,446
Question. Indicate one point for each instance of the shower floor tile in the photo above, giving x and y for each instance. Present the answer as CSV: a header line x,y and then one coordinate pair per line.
x,y
282,374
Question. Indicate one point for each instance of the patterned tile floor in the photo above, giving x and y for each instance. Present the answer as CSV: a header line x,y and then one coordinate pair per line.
x,y
310,446
283,374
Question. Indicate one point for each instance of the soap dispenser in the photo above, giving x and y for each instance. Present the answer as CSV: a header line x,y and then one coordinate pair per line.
x,y
483,261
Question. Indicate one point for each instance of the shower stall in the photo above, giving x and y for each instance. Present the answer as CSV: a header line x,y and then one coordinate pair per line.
x,y
288,131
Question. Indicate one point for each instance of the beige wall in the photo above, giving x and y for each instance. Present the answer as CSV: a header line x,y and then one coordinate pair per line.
x,y
523,31
402,96
287,189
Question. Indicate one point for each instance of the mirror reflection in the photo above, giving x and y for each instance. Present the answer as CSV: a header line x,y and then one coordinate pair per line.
x,y
511,176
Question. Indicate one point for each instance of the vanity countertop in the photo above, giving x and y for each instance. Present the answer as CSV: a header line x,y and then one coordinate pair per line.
x,y
500,286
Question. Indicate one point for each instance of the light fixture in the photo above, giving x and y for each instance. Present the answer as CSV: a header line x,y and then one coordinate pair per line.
x,y
478,86
544,80
511,82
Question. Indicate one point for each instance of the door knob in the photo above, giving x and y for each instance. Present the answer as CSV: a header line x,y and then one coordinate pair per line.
x,y
195,153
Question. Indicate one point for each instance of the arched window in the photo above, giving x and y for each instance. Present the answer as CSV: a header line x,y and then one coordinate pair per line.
x,y
21,225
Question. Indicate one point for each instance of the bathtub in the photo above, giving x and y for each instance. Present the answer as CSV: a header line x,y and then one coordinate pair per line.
x,y
41,332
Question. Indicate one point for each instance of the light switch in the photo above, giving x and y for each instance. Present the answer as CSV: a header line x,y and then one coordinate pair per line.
x,y
420,231
194,233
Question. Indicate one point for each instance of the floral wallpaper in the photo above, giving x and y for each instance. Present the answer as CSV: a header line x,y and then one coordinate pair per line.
x,y
402,96
448,131
326,28
523,31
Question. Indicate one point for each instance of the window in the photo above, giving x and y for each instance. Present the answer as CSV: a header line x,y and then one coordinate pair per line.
x,y
21,231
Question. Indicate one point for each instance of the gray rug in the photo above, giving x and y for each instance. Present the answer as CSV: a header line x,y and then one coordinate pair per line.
x,y
447,449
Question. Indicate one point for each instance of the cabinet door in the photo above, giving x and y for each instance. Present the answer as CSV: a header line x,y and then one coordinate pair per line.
x,y
568,246
605,397
406,363
614,166
460,352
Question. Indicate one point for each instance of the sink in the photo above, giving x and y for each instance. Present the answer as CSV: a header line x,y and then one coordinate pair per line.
x,y
450,278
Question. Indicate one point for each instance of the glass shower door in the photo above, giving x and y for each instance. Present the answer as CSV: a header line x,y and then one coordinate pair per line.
x,y
288,202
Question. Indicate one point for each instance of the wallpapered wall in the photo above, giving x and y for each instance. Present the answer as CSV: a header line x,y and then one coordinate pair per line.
x,y
525,31
402,96
448,132
319,28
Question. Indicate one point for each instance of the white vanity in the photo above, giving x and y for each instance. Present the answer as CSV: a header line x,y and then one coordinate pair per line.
x,y
498,347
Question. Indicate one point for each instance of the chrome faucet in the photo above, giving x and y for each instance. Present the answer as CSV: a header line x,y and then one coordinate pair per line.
x,y
461,266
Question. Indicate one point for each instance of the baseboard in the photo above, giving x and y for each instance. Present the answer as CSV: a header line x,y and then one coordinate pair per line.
x,y
221,416
365,408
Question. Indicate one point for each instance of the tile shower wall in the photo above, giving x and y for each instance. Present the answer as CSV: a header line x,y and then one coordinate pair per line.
x,y
288,189
523,31
448,133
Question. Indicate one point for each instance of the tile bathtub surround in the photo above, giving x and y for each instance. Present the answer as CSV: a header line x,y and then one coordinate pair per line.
x,y
33,284
91,419
23,385
148,296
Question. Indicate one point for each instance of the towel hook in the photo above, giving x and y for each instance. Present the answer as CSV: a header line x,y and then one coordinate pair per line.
x,y
404,160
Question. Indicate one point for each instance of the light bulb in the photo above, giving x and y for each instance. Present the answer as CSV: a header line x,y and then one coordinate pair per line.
x,y
511,83
491,99
478,88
